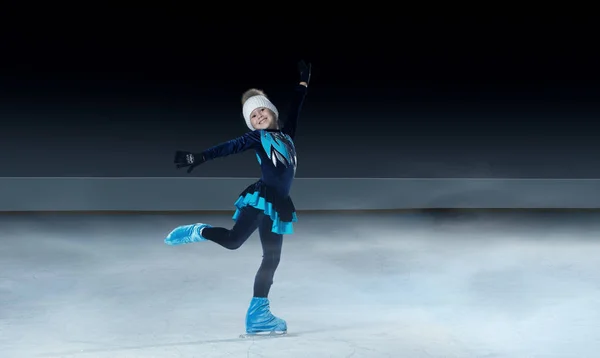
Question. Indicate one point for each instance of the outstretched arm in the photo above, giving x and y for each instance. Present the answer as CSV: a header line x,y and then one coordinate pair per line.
x,y
298,99
192,160
234,146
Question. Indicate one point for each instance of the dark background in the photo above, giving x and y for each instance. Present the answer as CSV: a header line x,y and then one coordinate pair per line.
x,y
420,98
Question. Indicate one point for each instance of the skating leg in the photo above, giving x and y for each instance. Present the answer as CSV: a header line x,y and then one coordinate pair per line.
x,y
272,244
260,320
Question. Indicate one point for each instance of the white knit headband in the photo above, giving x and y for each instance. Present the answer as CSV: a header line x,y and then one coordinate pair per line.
x,y
255,102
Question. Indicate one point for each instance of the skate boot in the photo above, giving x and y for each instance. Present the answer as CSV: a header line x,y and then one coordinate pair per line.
x,y
186,234
260,321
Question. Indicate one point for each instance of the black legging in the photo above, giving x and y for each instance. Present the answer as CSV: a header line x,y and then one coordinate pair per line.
x,y
249,220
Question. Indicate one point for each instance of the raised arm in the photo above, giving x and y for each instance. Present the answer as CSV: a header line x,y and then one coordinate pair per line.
x,y
291,123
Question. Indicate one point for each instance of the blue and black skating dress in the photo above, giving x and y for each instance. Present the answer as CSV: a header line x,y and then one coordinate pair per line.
x,y
276,155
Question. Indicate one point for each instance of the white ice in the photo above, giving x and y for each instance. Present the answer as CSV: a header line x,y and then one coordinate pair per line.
x,y
350,285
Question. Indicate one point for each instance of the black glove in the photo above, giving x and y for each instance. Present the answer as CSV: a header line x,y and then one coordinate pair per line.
x,y
188,159
305,71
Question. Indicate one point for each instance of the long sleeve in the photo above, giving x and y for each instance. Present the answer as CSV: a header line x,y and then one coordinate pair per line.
x,y
292,119
234,146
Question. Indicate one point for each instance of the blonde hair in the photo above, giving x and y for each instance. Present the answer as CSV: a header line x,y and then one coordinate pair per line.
x,y
251,93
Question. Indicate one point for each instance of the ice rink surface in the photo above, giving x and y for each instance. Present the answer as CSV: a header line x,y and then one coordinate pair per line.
x,y
398,285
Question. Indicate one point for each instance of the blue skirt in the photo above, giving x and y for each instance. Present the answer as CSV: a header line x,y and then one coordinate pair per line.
x,y
280,209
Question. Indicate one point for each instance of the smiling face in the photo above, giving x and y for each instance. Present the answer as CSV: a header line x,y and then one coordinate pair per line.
x,y
263,118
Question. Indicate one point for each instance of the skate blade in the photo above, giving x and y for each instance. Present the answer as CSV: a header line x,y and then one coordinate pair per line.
x,y
263,334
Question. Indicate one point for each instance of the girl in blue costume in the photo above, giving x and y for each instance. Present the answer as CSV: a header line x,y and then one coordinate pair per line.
x,y
264,205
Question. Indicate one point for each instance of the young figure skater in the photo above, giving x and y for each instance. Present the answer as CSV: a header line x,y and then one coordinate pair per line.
x,y
264,205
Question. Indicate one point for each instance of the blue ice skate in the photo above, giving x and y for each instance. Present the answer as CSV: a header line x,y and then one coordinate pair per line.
x,y
186,234
260,320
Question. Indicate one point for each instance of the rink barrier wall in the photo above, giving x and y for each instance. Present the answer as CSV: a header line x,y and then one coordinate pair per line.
x,y
309,194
